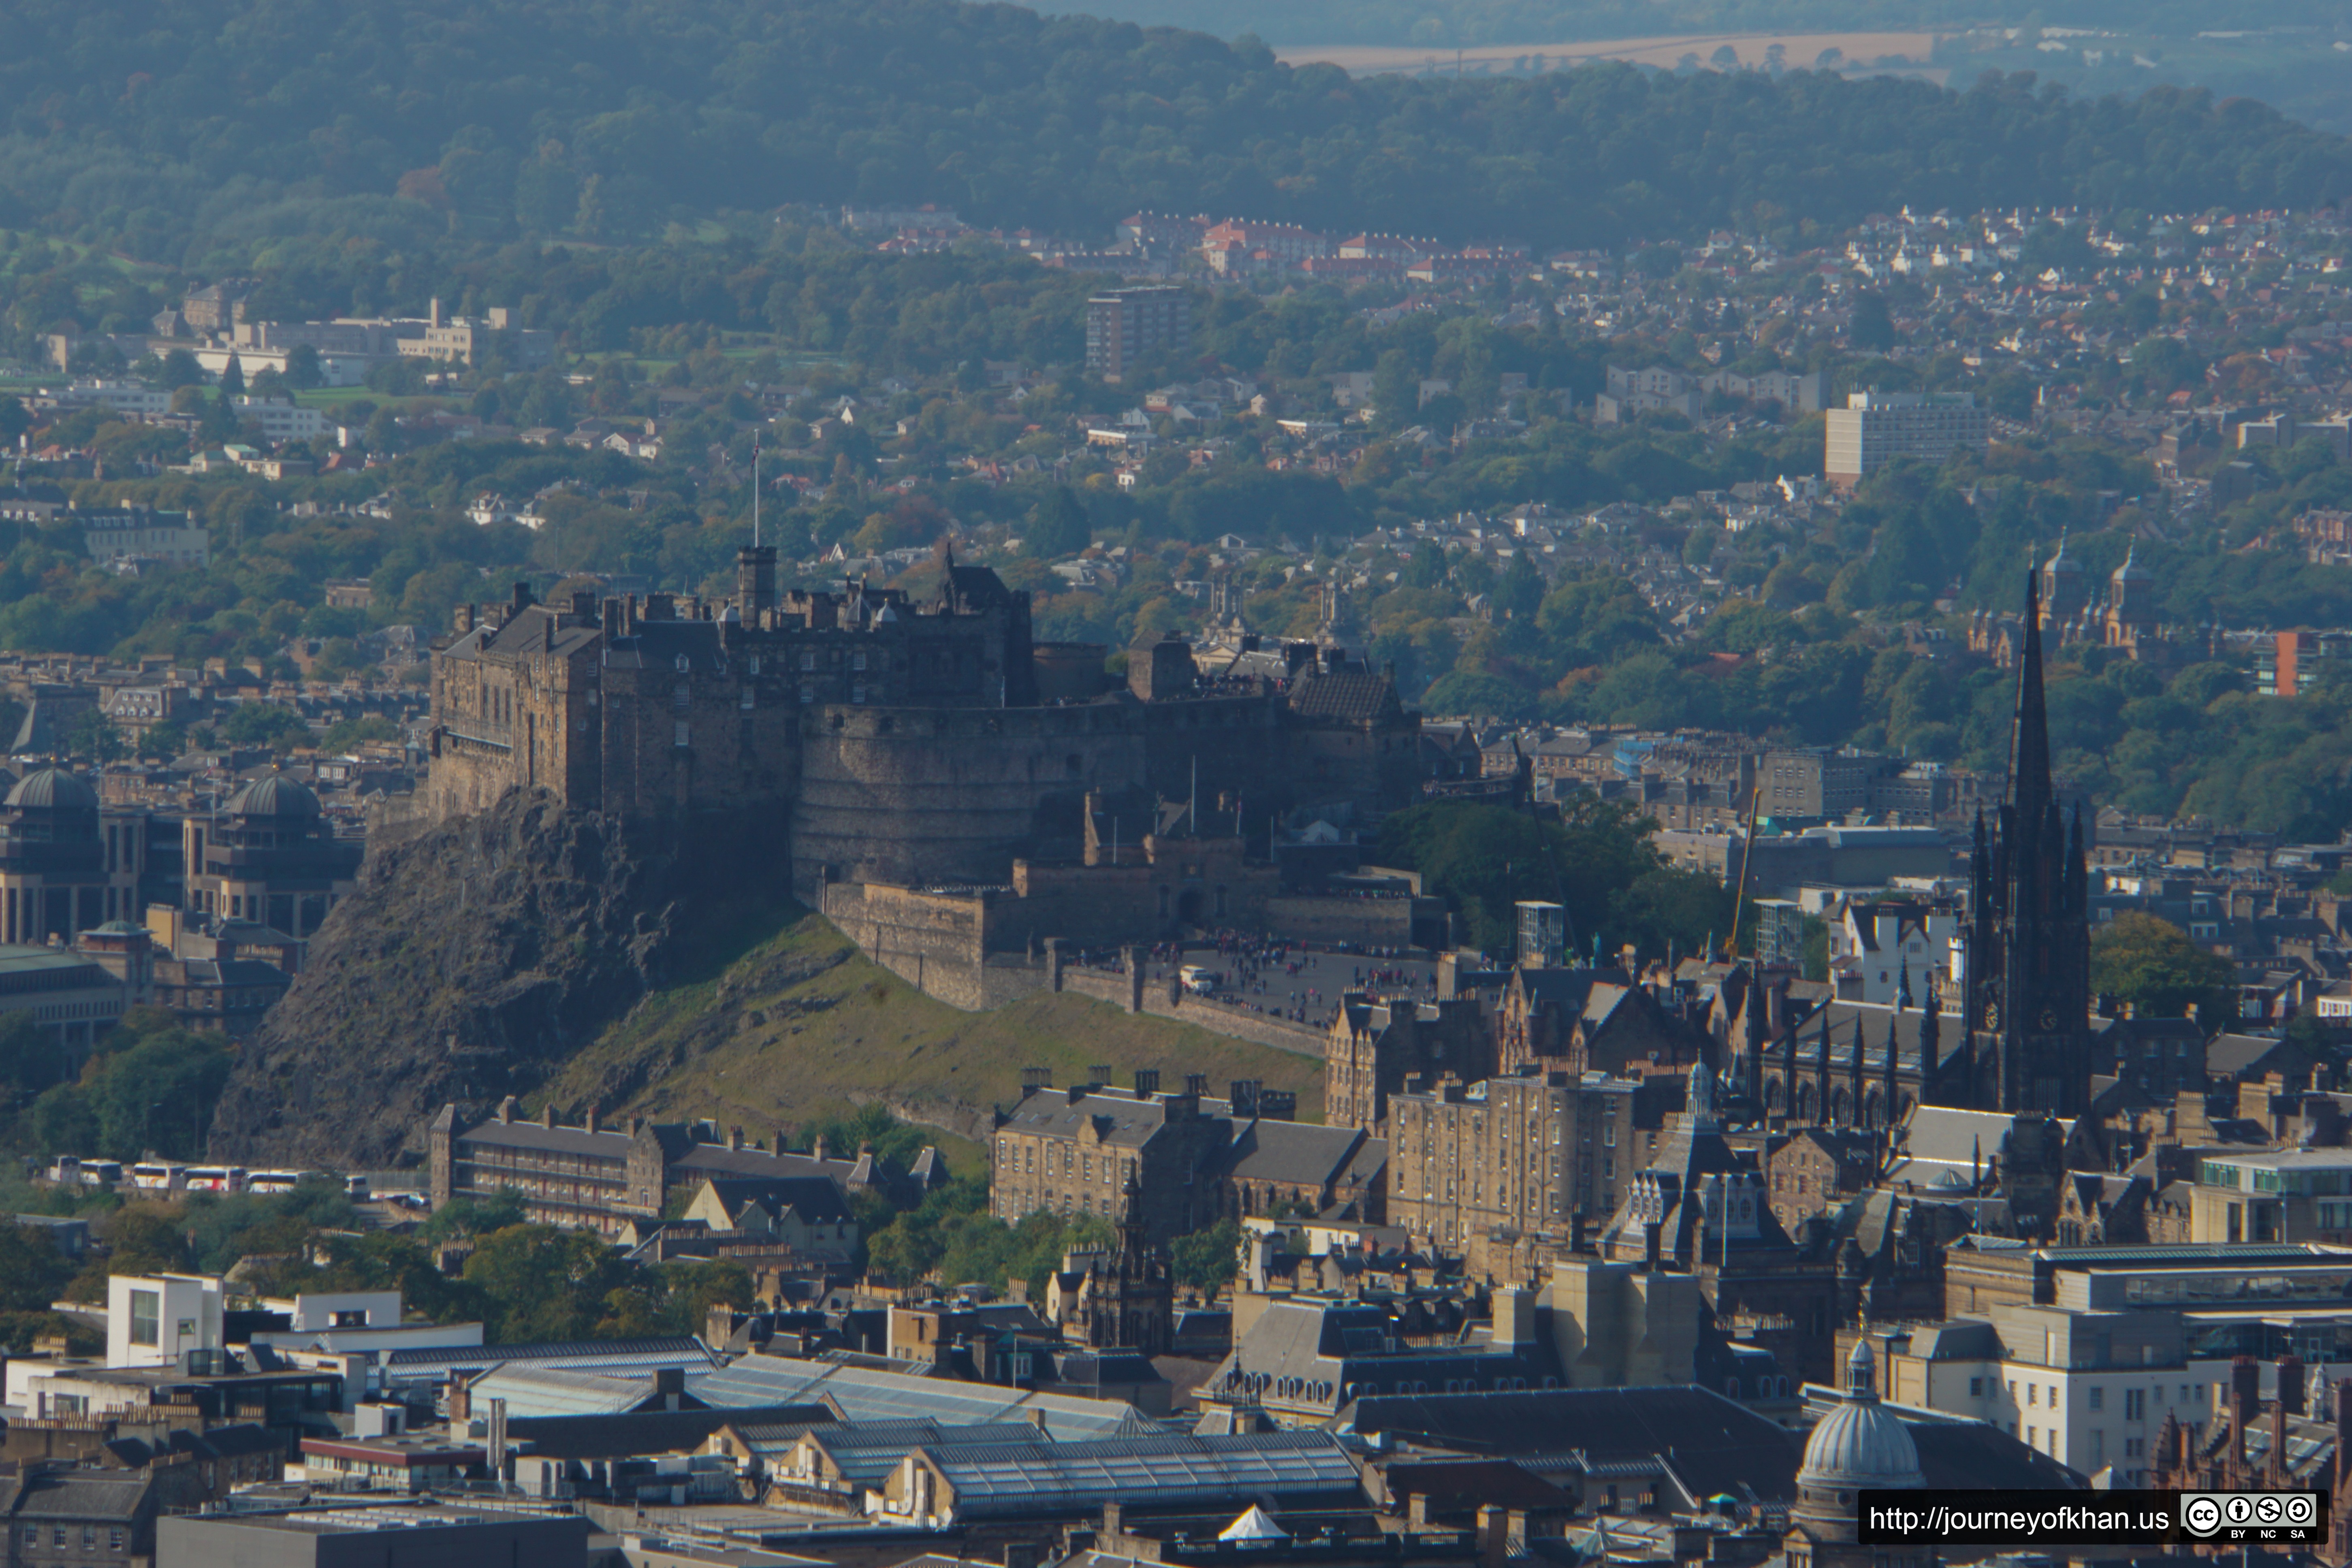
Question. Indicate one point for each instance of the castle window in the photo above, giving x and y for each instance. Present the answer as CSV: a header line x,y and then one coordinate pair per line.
x,y
858,659
808,659
755,664
682,739
683,664
748,701
857,692
808,693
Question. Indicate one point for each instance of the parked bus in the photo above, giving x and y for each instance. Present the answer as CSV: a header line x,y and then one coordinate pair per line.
x,y
273,1182
161,1176
70,1172
215,1179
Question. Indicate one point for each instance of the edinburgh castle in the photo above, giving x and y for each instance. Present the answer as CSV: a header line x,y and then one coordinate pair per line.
x,y
927,749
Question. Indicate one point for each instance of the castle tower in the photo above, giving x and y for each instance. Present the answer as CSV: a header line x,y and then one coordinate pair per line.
x,y
755,581
2028,1005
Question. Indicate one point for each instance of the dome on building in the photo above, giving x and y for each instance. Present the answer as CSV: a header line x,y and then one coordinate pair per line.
x,y
275,795
53,789
1860,1443
2131,571
2061,562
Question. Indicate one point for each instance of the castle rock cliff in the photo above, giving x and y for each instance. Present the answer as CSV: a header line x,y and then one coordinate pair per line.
x,y
472,960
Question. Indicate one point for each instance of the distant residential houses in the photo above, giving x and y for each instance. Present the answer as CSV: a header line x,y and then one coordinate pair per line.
x,y
1150,244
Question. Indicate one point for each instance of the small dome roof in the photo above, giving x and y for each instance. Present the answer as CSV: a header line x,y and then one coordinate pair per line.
x,y
2131,571
2061,562
53,789
1860,1443
275,795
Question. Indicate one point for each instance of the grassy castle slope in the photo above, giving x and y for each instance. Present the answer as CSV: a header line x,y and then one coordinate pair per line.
x,y
785,1023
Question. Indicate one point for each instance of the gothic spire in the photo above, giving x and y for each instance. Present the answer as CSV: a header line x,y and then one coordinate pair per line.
x,y
1893,1087
2028,740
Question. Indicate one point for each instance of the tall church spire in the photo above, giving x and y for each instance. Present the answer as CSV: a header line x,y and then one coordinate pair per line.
x,y
2028,999
2029,736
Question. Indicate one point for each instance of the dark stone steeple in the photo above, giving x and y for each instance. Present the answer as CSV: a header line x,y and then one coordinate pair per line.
x,y
2027,1008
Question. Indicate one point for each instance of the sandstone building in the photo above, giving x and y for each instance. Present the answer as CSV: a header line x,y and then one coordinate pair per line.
x,y
1193,1159
603,1178
1374,1047
1524,1155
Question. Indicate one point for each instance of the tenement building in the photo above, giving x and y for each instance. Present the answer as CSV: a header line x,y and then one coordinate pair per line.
x,y
1193,1159
603,1178
1524,1154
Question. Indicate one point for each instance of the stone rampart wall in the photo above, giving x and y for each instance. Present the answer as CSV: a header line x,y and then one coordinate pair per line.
x,y
1118,989
1370,922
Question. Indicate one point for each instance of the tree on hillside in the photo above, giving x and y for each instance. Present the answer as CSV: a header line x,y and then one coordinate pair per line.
x,y
268,724
32,1274
2150,963
1057,526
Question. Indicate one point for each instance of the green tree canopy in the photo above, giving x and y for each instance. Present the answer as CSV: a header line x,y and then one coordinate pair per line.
x,y
2150,963
1483,859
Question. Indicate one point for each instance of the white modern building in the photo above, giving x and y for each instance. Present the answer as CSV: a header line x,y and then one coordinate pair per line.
x,y
154,1320
1876,427
2090,1387
282,421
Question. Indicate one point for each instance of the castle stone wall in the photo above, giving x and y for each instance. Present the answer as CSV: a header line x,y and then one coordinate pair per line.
x,y
1190,882
935,942
931,796
1117,989
1370,922
718,733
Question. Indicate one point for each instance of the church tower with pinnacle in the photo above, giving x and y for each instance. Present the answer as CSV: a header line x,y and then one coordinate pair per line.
x,y
2027,1044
